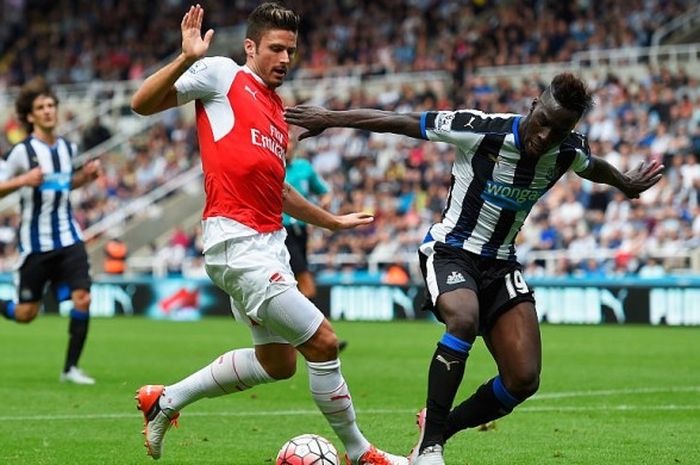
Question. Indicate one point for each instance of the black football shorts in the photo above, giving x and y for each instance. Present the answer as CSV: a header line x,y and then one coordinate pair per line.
x,y
67,267
498,284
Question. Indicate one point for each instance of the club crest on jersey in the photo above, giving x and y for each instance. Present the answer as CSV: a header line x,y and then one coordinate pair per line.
x,y
443,121
197,67
553,173
510,197
455,278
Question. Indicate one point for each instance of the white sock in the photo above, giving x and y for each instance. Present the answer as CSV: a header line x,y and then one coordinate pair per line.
x,y
233,371
332,396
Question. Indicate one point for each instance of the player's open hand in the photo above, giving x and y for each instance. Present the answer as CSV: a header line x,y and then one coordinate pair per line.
x,y
353,220
33,177
314,119
194,46
642,178
93,169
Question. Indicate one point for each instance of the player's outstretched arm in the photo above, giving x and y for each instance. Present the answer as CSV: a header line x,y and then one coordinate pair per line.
x,y
31,178
632,183
157,93
316,119
294,204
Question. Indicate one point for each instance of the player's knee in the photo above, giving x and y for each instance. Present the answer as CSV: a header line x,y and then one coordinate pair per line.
x,y
82,301
26,313
464,325
282,371
524,383
328,347
323,346
24,317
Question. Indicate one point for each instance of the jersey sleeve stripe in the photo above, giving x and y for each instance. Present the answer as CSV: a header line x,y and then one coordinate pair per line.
x,y
423,122
516,131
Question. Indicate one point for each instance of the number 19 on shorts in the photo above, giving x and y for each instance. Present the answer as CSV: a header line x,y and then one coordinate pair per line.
x,y
515,283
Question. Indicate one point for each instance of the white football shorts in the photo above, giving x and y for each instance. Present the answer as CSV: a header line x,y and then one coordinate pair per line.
x,y
252,270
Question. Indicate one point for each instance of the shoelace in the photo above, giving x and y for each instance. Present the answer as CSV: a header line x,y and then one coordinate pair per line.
x,y
373,457
154,412
174,420
432,449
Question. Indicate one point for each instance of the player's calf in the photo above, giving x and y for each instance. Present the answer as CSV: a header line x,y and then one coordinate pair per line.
x,y
492,400
278,360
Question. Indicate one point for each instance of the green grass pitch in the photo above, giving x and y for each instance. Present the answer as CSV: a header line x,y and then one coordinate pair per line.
x,y
609,395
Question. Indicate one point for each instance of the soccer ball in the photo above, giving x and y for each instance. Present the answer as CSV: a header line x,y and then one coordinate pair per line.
x,y
308,449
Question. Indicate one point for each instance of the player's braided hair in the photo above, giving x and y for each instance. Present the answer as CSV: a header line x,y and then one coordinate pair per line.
x,y
269,16
25,100
571,93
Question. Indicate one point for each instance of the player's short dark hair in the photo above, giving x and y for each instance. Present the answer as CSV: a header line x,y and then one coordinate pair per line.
x,y
269,16
571,93
25,100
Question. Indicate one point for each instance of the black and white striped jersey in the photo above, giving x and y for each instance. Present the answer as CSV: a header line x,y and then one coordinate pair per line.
x,y
47,220
493,185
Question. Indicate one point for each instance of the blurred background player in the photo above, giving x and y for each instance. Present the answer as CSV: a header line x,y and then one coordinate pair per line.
x,y
474,282
52,250
301,175
243,142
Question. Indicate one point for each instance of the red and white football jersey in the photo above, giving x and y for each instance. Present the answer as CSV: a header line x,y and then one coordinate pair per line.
x,y
243,140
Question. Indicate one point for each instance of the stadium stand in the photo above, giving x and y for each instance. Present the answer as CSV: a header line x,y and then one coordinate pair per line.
x,y
74,41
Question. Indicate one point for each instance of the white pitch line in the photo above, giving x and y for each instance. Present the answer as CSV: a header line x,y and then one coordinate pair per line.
x,y
525,408
607,408
614,392
282,413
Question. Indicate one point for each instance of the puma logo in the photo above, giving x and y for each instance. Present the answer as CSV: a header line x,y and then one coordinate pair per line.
x,y
251,91
447,363
469,123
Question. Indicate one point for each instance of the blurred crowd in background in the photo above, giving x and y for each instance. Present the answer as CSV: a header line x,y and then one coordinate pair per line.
x,y
403,182
77,41
147,161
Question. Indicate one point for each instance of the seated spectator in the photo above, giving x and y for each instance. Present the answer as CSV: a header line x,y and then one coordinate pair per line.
x,y
396,274
95,134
